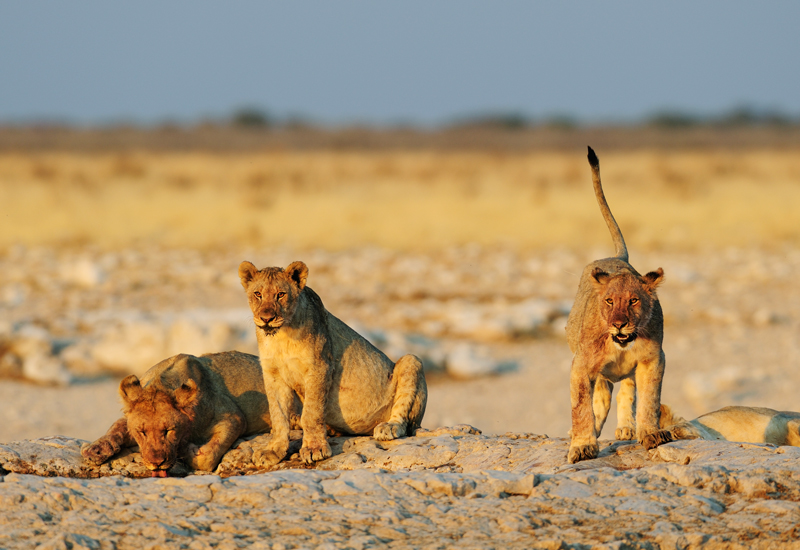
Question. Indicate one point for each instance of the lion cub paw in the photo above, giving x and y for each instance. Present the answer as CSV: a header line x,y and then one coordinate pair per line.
x,y
265,459
315,452
387,431
624,434
100,451
582,452
199,458
653,440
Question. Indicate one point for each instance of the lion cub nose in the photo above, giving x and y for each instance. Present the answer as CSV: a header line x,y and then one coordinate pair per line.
x,y
268,320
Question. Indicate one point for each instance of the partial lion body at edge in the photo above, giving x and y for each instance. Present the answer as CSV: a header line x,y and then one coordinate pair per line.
x,y
739,424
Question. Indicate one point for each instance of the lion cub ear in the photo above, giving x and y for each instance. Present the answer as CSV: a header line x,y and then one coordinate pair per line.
x,y
298,272
246,273
187,396
653,279
600,276
130,390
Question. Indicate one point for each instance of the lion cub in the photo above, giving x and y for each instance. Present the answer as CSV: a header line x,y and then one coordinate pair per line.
x,y
187,407
342,379
615,330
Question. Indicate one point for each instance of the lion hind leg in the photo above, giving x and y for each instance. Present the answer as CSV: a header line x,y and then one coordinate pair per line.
x,y
601,403
410,399
626,407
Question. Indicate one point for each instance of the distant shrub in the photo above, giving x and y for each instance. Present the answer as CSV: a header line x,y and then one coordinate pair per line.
x,y
749,116
560,122
738,116
506,121
250,117
673,119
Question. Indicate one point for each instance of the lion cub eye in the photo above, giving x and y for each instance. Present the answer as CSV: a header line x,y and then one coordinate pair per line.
x,y
609,301
257,295
634,301
280,295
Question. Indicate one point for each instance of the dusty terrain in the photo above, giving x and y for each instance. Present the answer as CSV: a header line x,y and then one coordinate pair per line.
x,y
111,260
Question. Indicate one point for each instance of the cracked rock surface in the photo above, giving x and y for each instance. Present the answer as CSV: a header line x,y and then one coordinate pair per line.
x,y
449,487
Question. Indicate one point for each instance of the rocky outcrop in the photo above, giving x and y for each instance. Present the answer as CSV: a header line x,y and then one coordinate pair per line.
x,y
443,488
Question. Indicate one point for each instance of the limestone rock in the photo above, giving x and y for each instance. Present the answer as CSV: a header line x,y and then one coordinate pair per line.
x,y
445,487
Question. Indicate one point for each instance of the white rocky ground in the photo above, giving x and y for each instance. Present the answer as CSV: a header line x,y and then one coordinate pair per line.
x,y
441,489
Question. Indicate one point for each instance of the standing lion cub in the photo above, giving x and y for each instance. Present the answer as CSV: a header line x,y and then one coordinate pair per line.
x,y
343,380
615,330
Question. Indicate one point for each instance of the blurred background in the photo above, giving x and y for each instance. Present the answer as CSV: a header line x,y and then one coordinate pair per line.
x,y
428,163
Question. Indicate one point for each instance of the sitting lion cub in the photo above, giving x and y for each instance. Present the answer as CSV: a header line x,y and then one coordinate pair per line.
x,y
742,424
342,379
187,407
615,330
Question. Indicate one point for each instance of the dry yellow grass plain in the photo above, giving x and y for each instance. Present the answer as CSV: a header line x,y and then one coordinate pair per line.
x,y
401,200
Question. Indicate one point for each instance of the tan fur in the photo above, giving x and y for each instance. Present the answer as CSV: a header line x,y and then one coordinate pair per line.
x,y
742,424
615,330
187,407
342,379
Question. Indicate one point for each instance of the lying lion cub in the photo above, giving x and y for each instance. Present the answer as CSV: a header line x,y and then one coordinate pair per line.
x,y
615,330
187,407
743,424
342,379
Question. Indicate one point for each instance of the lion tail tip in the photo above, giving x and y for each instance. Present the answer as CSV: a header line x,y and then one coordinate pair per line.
x,y
593,161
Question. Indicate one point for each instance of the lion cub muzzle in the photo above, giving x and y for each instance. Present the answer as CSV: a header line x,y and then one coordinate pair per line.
x,y
269,325
622,333
272,322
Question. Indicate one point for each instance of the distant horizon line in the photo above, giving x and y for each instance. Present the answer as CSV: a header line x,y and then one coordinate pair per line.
x,y
255,117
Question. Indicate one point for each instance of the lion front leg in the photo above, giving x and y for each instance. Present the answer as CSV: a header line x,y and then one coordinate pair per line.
x,y
583,445
280,398
649,376
315,432
410,398
225,431
110,444
626,418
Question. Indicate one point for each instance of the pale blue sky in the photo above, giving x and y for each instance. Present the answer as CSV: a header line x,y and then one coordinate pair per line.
x,y
378,62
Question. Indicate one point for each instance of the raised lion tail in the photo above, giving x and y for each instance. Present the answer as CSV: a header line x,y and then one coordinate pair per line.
x,y
616,235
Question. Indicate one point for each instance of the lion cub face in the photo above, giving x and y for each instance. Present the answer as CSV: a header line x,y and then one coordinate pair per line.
x,y
626,302
160,421
272,293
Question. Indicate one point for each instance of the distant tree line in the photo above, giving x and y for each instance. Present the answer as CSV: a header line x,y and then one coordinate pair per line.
x,y
251,117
